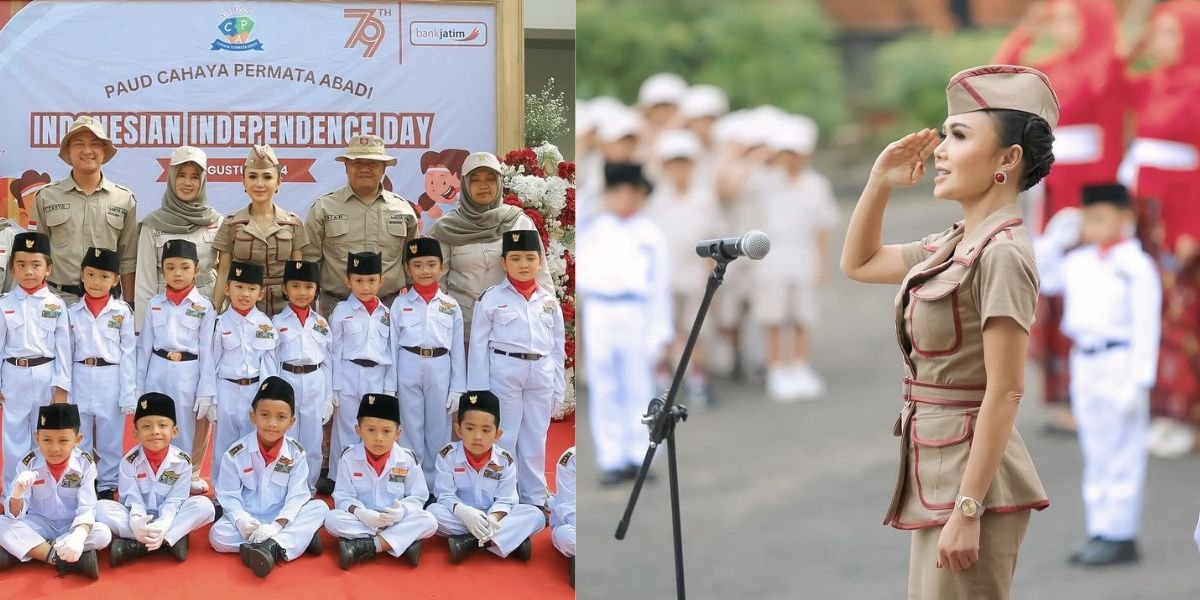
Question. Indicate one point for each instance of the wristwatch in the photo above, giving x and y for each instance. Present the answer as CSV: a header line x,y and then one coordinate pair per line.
x,y
969,507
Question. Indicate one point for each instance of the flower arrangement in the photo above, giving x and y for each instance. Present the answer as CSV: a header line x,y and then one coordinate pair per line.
x,y
538,181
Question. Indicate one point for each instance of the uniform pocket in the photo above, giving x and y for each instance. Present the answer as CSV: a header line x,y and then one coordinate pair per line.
x,y
941,444
506,323
229,341
283,244
61,227
335,232
934,325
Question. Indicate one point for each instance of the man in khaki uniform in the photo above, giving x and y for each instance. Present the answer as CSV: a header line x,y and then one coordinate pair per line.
x,y
360,217
85,209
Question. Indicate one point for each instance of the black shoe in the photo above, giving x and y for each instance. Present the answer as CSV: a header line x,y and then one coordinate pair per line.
x,y
87,565
571,573
219,511
314,546
124,550
413,553
461,546
7,561
324,483
179,549
614,477
429,502
1108,552
631,473
524,552
262,557
107,495
1084,549
352,551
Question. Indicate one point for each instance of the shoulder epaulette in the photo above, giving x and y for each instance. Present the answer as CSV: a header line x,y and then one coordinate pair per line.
x,y
88,457
413,455
296,444
185,456
28,459
480,299
238,447
446,450
133,454
121,187
505,454
566,457
344,451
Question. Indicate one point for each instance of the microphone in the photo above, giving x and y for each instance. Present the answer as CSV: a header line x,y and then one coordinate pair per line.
x,y
754,245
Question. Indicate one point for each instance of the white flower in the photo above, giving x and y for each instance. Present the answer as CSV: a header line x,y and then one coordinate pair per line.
x,y
548,157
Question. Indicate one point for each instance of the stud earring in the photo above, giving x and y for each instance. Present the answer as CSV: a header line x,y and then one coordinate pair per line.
x,y
1001,177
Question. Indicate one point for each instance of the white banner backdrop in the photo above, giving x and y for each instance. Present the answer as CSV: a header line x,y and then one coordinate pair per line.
x,y
304,77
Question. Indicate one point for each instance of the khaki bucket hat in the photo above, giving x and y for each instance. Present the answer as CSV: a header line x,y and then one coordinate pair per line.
x,y
86,123
367,147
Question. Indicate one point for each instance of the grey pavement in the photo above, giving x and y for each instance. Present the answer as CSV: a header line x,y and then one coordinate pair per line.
x,y
786,501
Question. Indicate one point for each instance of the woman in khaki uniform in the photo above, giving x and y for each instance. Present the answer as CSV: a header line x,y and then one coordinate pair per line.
x,y
966,483
261,233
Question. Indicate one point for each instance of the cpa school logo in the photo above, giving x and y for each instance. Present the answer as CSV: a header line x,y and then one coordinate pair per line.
x,y
369,30
236,28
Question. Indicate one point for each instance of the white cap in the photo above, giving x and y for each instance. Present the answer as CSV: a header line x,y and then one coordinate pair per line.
x,y
618,124
729,128
661,88
677,143
795,133
476,160
703,100
193,154
761,124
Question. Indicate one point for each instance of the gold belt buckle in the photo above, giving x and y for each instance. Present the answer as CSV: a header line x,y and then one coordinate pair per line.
x,y
23,362
426,352
174,356
91,362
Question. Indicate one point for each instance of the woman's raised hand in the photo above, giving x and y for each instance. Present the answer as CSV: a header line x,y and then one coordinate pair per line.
x,y
902,163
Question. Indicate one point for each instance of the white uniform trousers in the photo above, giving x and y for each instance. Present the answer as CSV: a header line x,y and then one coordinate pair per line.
x,y
425,422
620,377
310,408
178,380
19,536
1113,444
416,525
100,418
194,513
233,418
524,521
25,389
225,537
563,537
355,382
526,392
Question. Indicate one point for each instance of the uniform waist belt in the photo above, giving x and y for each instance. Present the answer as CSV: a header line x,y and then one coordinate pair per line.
x,y
1105,347
364,362
520,355
427,352
96,362
299,369
174,356
242,381
76,290
29,362
943,393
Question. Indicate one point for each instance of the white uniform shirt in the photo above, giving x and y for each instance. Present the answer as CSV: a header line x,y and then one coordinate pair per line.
x,y
71,499
473,268
37,325
145,491
792,213
505,320
149,281
438,324
562,503
108,335
401,479
490,489
244,347
187,327
1111,297
247,485
306,344
684,219
358,334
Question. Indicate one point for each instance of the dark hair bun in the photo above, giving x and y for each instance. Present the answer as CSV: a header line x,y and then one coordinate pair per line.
x,y
1033,134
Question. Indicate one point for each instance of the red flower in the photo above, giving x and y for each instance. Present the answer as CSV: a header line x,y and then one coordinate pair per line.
x,y
570,258
568,311
566,170
567,215
513,200
527,158
570,352
539,222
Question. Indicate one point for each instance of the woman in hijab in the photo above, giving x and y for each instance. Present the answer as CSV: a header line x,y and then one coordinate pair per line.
x,y
470,235
1089,78
185,215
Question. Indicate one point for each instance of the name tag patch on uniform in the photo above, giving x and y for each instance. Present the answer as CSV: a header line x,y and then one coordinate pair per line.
x,y
490,474
265,332
321,327
116,321
356,474
141,476
51,311
71,480
406,309
282,467
54,207
118,211
446,307
283,330
226,333
10,312
397,474
460,469
249,469
386,319
39,482
168,477
196,310
329,218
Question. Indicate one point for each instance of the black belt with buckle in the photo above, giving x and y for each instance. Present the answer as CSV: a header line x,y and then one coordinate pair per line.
x,y
76,290
96,362
242,381
29,362
175,356
1106,346
364,362
427,352
299,369
520,355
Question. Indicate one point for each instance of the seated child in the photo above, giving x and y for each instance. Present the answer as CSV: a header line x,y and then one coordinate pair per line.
x,y
562,508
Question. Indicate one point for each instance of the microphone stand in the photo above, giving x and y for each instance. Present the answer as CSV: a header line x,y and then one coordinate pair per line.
x,y
662,415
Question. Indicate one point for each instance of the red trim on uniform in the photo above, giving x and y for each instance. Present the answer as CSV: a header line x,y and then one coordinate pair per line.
x,y
940,402
525,288
426,292
957,325
301,313
155,458
478,462
176,296
974,94
95,305
1039,505
945,386
378,462
969,259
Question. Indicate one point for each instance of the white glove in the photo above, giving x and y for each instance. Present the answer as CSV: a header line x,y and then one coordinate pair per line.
x,y
247,525
396,512
1064,228
266,532
127,410
336,401
154,536
211,414
493,527
140,524
329,404
202,405
21,484
452,402
475,520
70,546
373,518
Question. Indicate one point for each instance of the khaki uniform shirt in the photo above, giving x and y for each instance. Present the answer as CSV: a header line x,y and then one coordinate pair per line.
x,y
339,223
953,287
240,236
75,222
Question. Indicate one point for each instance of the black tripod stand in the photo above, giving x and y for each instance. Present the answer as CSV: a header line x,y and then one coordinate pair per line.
x,y
662,415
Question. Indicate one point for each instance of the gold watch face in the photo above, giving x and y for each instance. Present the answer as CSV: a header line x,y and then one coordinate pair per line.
x,y
968,507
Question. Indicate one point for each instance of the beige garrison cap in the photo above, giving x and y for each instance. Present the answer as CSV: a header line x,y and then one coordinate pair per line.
x,y
1002,86
261,157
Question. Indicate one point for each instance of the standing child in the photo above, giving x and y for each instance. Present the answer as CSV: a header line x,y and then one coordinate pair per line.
x,y
303,354
476,487
51,504
270,516
517,352
103,364
430,359
243,353
35,340
155,511
1112,314
362,354
562,508
381,492
175,349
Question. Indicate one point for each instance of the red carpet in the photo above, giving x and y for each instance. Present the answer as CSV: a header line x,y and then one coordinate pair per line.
x,y
208,575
